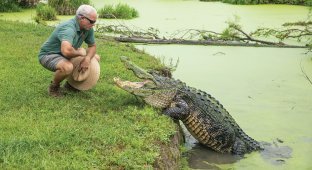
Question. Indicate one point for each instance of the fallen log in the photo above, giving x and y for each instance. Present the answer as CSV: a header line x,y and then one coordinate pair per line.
x,y
202,42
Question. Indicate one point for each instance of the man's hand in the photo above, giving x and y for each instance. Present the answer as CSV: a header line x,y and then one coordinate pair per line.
x,y
84,64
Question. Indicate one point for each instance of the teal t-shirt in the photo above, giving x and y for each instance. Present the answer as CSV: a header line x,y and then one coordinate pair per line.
x,y
69,31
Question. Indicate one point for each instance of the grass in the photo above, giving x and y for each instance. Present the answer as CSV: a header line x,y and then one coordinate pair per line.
x,y
103,128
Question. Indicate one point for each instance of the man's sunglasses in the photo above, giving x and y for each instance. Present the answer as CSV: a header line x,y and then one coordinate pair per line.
x,y
91,21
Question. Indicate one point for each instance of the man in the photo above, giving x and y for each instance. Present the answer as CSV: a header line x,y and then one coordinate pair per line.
x,y
65,43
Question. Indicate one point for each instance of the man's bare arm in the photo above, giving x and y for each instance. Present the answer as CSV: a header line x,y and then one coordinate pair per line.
x,y
91,51
70,52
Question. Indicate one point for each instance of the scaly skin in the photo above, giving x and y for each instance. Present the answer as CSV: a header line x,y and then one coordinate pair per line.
x,y
204,117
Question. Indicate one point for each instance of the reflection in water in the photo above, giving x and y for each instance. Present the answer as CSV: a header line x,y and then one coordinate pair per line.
x,y
275,154
200,157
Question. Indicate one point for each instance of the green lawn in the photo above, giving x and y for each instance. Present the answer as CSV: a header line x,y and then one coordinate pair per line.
x,y
103,128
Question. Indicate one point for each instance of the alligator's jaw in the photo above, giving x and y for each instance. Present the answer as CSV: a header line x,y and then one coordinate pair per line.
x,y
138,71
137,88
128,84
159,98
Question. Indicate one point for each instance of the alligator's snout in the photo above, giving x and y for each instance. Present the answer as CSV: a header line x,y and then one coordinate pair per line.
x,y
128,84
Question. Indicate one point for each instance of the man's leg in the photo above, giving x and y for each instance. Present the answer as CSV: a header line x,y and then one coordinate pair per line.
x,y
63,69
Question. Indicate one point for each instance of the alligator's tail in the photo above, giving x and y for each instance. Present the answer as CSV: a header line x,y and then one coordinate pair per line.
x,y
245,144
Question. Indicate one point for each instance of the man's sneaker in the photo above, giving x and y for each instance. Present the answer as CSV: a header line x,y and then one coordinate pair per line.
x,y
70,88
55,90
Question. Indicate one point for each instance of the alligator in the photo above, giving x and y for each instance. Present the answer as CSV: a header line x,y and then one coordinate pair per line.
x,y
203,116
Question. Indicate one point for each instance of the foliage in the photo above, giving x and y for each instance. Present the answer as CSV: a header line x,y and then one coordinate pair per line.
x,y
126,31
103,128
231,32
107,12
67,7
28,3
301,31
16,5
120,11
9,6
45,13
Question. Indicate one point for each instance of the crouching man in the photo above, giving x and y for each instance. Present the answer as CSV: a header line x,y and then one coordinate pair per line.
x,y
64,45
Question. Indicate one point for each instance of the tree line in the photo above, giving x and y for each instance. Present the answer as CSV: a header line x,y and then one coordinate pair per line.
x,y
65,7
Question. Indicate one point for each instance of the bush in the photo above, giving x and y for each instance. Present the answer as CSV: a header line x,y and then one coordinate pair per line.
x,y
125,11
45,12
16,5
27,3
67,7
9,6
120,11
106,12
308,3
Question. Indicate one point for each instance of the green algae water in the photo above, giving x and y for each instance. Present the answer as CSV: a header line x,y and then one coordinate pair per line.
x,y
264,89
172,15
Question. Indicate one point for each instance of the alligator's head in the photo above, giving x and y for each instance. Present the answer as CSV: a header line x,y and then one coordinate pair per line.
x,y
154,89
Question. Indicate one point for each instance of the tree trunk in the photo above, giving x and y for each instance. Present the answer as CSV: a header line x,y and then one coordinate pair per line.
x,y
201,42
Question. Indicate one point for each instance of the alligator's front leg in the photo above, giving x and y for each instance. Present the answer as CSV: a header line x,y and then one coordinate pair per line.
x,y
179,111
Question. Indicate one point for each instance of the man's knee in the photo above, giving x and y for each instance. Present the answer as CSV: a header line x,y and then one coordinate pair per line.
x,y
66,67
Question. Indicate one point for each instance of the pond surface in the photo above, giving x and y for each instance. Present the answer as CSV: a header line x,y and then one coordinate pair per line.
x,y
264,89
171,15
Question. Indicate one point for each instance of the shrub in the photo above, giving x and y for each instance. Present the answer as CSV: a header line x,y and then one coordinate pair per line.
x,y
67,7
45,12
125,11
120,11
308,3
106,12
16,5
9,6
27,3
